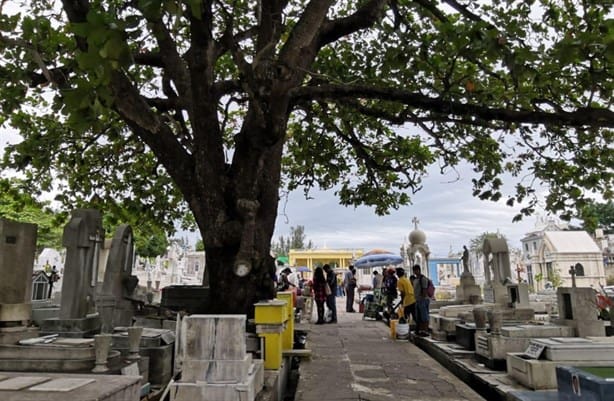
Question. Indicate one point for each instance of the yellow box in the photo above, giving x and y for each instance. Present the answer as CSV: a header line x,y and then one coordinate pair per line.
x,y
271,312
288,333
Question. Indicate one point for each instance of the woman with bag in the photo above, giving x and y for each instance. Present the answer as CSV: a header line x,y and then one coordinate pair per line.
x,y
319,292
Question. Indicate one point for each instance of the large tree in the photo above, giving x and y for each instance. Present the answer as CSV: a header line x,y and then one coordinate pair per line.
x,y
598,215
154,102
295,240
18,205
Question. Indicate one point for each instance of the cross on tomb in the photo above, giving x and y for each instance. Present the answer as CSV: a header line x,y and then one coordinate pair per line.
x,y
572,271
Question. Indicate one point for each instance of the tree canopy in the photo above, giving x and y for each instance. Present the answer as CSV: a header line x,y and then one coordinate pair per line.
x,y
296,240
197,104
18,205
598,215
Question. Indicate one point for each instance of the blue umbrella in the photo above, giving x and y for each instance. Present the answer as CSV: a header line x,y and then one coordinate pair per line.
x,y
303,269
379,259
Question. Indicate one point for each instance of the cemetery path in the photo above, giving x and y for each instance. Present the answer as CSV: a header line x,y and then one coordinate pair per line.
x,y
356,359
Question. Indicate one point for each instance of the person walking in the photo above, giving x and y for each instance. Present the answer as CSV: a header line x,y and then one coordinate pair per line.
x,y
421,284
331,302
319,293
408,298
349,283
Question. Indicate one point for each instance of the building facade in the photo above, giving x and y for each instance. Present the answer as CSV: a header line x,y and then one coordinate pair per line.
x,y
312,258
559,251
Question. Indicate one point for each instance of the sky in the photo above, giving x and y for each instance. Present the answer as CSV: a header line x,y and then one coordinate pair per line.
x,y
446,211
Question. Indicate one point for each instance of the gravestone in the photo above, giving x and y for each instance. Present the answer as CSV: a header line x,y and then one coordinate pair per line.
x,y
577,309
83,237
115,303
17,249
518,295
496,270
216,365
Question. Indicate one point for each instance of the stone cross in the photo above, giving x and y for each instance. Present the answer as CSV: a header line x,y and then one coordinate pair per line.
x,y
572,271
519,269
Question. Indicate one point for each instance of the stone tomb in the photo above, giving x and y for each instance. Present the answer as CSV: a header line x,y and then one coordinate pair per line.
x,y
443,324
157,345
17,249
491,349
115,303
577,309
216,365
83,236
61,387
540,374
44,354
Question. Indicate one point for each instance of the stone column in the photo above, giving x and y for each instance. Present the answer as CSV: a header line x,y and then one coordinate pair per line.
x,y
102,344
134,339
479,315
495,320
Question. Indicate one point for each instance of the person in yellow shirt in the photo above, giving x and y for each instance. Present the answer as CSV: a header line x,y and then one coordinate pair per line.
x,y
407,295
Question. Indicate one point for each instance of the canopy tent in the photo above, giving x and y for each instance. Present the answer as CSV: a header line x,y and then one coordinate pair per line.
x,y
379,259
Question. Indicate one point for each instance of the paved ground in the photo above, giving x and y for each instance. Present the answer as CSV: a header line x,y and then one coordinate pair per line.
x,y
356,359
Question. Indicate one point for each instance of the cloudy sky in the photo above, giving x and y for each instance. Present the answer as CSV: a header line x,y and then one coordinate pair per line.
x,y
447,212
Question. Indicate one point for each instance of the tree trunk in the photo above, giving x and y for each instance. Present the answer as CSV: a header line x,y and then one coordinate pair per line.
x,y
251,198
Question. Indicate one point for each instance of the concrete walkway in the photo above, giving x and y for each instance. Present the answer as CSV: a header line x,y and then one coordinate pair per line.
x,y
356,359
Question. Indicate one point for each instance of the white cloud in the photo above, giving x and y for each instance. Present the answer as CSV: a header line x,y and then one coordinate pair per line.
x,y
448,213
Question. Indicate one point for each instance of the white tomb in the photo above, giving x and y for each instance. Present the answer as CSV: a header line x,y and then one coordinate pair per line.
x,y
216,365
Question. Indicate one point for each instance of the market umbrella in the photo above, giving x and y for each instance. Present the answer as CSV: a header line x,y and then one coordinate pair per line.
x,y
379,259
377,251
303,269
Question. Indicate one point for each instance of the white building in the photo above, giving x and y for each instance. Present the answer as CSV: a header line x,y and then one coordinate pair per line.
x,y
559,250
532,243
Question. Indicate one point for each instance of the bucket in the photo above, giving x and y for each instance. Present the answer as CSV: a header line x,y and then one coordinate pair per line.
x,y
393,328
402,331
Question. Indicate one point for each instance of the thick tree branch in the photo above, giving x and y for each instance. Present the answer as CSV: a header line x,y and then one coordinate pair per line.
x,y
363,18
227,87
581,117
153,131
304,32
465,12
152,59
408,116
432,8
170,58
